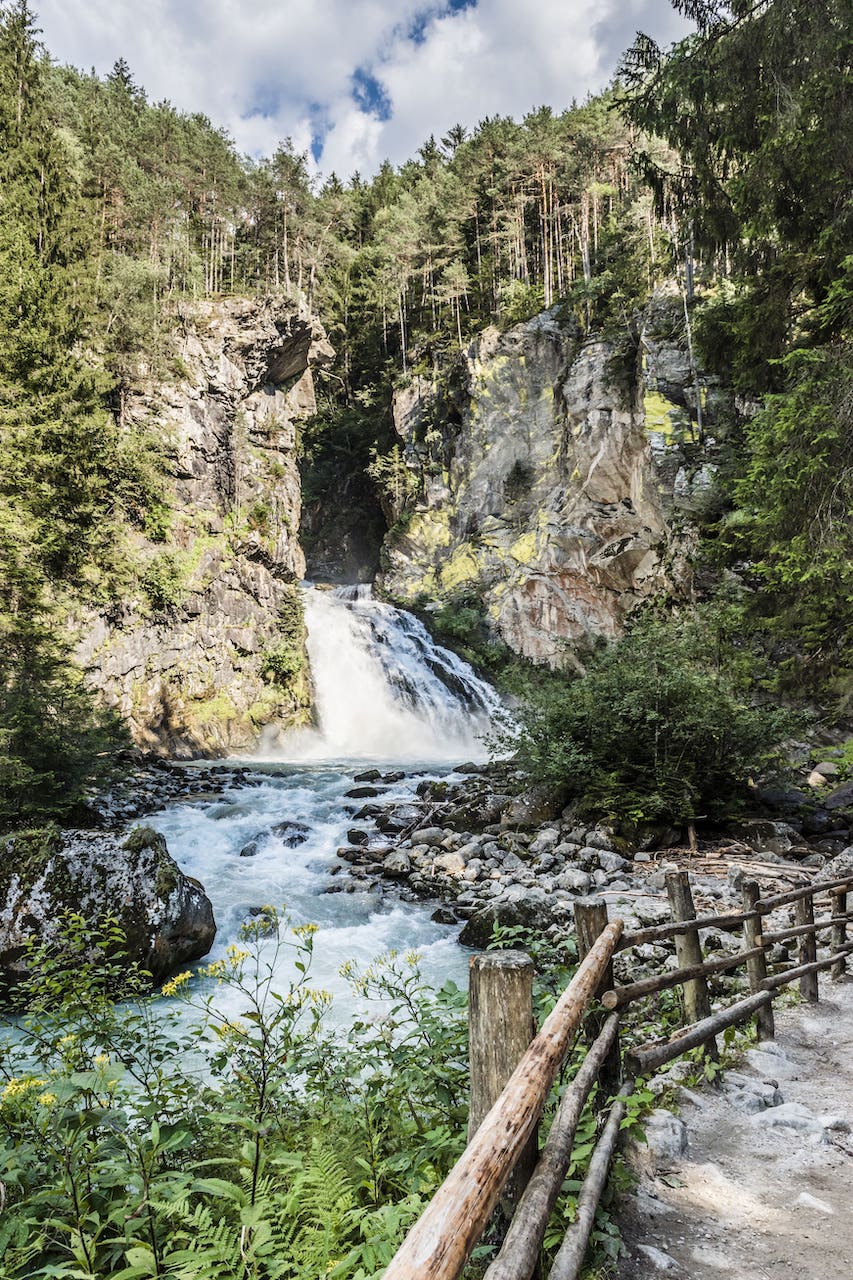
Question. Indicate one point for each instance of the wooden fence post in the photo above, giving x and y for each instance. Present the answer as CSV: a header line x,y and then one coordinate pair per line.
x,y
500,1027
757,966
804,914
838,899
590,921
688,951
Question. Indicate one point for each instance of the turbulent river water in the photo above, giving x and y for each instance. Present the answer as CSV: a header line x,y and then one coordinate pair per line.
x,y
387,697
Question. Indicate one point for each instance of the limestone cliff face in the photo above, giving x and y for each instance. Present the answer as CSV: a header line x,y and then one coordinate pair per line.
x,y
538,486
208,648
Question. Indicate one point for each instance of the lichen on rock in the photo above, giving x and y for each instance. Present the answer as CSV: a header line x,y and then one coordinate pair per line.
x,y
185,659
540,495
166,917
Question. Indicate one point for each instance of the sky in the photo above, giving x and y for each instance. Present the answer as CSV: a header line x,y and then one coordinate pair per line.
x,y
355,82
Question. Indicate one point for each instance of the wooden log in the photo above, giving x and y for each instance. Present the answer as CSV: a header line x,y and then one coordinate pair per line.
x,y
618,997
797,931
572,1251
641,1061
500,1028
782,979
441,1240
804,915
688,951
590,922
839,929
793,895
756,967
662,932
520,1250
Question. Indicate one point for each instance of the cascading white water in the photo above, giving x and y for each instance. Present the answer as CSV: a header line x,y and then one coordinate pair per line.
x,y
386,692
383,689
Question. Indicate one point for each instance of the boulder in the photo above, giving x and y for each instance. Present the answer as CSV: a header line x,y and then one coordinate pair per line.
x,y
291,833
449,864
166,917
841,797
397,864
532,908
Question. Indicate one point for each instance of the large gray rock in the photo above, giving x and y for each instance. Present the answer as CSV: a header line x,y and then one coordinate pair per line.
x,y
539,491
185,659
166,917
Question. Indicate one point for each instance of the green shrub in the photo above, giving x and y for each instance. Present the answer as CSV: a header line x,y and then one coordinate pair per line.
x,y
163,580
660,726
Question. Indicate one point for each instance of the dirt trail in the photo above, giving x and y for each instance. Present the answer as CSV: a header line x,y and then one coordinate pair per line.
x,y
764,1190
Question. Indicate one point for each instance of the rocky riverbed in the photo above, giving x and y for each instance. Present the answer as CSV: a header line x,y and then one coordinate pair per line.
x,y
471,845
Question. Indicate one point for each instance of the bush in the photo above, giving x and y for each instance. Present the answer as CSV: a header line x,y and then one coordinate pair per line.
x,y
659,727
139,1142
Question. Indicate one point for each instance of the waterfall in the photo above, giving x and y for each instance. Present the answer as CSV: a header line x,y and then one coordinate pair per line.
x,y
384,690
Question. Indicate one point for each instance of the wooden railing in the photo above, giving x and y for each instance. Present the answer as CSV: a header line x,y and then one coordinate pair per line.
x,y
509,1093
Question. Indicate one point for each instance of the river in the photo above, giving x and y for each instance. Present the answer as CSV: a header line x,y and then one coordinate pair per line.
x,y
387,697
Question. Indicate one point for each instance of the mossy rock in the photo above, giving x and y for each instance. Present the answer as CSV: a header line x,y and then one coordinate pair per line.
x,y
166,917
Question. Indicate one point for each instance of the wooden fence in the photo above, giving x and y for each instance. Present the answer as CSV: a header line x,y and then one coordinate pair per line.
x,y
512,1075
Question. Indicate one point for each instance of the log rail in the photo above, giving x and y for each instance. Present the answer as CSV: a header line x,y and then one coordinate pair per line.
x,y
496,1170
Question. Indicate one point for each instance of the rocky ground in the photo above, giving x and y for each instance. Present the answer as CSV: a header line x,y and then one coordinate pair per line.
x,y
754,1180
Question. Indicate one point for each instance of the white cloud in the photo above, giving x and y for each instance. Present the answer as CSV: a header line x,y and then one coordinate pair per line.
x,y
278,68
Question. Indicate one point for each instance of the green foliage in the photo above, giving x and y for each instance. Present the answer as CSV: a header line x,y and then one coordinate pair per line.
x,y
54,742
139,1141
163,580
793,515
753,118
658,727
286,660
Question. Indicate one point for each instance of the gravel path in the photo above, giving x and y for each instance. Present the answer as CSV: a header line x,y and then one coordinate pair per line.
x,y
754,1180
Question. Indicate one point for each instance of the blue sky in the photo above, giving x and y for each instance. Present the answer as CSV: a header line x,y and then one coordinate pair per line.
x,y
355,81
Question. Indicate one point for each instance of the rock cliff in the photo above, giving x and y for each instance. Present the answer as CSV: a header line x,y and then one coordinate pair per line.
x,y
552,482
208,646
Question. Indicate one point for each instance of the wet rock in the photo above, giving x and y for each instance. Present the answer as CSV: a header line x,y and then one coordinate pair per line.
x,y
356,855
356,835
249,850
443,916
165,915
400,818
369,775
397,864
291,834
361,793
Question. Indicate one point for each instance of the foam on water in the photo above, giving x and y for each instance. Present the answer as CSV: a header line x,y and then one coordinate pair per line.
x,y
384,691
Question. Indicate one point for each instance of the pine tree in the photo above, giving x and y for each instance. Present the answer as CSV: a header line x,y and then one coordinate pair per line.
x,y
57,443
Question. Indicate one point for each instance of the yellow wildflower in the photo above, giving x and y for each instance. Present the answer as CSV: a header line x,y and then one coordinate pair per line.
x,y
46,1099
21,1084
102,1059
235,955
215,969
174,985
306,930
